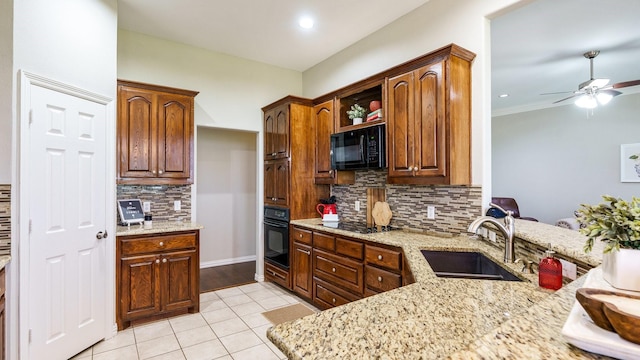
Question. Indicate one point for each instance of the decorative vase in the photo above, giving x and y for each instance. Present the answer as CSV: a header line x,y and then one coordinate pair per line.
x,y
375,105
621,269
357,121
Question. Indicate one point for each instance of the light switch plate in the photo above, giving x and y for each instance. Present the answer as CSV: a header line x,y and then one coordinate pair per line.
x,y
492,236
569,269
431,212
176,205
146,206
357,205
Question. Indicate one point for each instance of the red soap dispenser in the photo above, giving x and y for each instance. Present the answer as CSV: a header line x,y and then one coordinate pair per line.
x,y
550,271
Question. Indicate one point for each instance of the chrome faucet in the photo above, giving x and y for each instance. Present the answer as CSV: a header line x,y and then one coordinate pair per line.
x,y
508,230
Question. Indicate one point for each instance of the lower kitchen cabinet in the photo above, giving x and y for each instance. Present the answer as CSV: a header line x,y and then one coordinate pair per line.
x,y
157,275
302,269
277,275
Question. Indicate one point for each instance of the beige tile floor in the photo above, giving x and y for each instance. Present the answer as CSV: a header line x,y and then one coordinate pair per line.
x,y
229,325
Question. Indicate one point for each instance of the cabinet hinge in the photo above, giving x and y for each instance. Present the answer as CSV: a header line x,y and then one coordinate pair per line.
x,y
30,117
30,226
29,335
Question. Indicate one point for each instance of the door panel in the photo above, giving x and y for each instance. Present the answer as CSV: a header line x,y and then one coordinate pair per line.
x,y
67,191
174,136
180,269
136,134
324,125
430,122
401,107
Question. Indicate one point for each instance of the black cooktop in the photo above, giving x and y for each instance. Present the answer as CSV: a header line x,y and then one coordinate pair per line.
x,y
358,227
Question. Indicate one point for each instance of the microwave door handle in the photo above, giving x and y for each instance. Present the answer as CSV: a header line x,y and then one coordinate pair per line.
x,y
362,148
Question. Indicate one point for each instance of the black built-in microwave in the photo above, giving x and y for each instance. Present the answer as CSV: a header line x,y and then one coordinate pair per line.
x,y
358,149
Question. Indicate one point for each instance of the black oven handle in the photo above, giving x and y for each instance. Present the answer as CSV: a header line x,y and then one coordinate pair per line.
x,y
362,158
276,224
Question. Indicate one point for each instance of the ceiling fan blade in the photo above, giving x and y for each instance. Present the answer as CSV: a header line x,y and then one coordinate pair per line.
x,y
610,92
567,98
626,84
558,92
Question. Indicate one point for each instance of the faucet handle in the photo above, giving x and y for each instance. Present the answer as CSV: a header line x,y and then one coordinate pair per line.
x,y
507,212
527,265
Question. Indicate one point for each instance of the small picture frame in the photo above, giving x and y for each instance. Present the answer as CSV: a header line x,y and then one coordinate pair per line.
x,y
130,211
630,162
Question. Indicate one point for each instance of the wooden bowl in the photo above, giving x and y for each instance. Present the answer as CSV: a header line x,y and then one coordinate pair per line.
x,y
603,307
625,324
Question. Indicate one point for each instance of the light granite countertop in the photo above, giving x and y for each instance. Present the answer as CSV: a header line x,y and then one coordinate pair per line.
x,y
437,318
157,228
4,260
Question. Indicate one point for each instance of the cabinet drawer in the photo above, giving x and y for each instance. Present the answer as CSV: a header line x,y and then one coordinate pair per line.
x,y
277,275
301,235
327,296
390,259
323,241
350,248
381,280
132,246
339,271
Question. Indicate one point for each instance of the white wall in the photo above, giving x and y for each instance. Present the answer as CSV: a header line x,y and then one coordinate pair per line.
x,y
6,86
435,24
226,196
555,159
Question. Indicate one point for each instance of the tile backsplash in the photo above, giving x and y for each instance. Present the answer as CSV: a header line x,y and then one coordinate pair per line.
x,y
161,198
456,206
5,219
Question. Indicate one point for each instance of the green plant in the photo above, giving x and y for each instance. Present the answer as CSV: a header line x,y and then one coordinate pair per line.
x,y
356,111
615,221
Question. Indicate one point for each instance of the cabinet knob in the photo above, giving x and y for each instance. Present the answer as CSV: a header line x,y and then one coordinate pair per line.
x,y
274,154
157,261
153,172
164,260
333,300
330,172
161,243
379,257
333,269
160,172
379,278
300,236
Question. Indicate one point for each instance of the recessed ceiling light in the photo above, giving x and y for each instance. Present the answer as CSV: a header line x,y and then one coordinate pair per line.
x,y
503,95
306,22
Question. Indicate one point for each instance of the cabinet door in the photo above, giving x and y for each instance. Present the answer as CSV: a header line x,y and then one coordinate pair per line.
x,y
401,125
302,274
281,138
281,185
180,279
269,182
269,135
430,143
136,133
324,125
175,136
139,286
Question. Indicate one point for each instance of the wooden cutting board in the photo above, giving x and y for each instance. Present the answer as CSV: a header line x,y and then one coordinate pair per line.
x,y
374,195
381,214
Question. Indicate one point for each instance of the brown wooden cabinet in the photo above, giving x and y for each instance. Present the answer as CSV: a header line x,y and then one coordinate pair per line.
x,y
429,120
156,275
323,117
277,275
155,134
289,157
301,261
276,182
383,270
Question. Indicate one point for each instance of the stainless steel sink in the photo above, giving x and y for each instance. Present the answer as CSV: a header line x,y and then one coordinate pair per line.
x,y
467,265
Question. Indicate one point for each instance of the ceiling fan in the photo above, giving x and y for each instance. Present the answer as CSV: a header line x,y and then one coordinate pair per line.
x,y
595,91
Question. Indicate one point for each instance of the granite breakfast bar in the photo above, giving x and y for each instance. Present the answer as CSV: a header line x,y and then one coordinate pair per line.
x,y
436,318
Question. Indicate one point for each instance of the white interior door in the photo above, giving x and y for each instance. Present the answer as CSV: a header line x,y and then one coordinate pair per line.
x,y
67,194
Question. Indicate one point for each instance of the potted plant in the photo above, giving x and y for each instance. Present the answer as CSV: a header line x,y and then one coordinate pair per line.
x,y
356,113
617,223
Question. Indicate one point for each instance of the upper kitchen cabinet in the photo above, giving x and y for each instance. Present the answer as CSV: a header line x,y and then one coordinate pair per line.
x,y
276,133
429,119
155,134
324,125
288,167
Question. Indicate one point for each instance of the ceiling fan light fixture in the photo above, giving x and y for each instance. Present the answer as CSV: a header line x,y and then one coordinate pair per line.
x,y
587,101
604,97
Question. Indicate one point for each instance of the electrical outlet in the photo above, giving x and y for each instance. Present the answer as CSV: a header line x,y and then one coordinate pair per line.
x,y
483,232
431,212
492,236
357,205
146,206
176,205
569,269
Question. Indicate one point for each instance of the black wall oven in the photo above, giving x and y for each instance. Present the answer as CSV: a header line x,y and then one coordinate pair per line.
x,y
276,236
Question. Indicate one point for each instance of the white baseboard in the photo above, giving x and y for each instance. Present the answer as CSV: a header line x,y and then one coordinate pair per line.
x,y
237,260
259,278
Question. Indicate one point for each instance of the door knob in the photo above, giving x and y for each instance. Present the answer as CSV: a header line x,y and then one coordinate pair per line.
x,y
100,235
